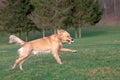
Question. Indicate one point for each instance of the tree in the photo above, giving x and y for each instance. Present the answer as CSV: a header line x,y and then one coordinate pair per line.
x,y
49,14
83,13
75,13
41,15
14,16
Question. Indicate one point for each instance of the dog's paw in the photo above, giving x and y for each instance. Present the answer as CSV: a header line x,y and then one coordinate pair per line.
x,y
74,51
60,63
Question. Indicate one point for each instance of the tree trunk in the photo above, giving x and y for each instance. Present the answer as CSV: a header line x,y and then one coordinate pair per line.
x,y
19,34
79,32
76,33
55,31
43,32
27,35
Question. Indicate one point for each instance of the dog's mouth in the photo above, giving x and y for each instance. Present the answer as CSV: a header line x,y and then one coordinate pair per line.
x,y
70,41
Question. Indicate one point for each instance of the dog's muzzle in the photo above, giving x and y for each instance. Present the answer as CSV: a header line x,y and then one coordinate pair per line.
x,y
70,41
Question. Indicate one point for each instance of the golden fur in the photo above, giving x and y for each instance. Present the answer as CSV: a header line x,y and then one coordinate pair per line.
x,y
51,44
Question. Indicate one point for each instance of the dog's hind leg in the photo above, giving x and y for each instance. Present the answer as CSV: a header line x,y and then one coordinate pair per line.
x,y
24,53
20,61
16,62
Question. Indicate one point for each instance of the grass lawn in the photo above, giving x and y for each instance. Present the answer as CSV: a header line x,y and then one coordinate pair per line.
x,y
98,58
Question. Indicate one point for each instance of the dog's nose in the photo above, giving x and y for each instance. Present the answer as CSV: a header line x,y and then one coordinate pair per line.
x,y
72,40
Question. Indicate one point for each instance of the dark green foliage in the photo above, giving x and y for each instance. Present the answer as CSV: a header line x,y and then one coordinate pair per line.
x,y
80,13
14,16
83,12
50,14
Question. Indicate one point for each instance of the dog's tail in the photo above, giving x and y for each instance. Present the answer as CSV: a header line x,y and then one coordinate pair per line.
x,y
15,39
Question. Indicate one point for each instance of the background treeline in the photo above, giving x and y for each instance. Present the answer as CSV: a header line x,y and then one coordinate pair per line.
x,y
23,16
111,11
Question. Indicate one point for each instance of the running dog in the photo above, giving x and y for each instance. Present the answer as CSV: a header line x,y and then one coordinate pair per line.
x,y
51,44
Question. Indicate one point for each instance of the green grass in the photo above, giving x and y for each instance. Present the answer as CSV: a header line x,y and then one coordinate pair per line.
x,y
98,58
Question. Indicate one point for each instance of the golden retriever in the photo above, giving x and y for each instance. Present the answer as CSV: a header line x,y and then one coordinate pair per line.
x,y
51,44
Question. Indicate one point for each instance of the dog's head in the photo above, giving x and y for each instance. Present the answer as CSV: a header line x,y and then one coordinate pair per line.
x,y
64,36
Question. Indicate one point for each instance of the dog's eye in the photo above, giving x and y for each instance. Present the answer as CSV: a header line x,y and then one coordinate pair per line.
x,y
68,36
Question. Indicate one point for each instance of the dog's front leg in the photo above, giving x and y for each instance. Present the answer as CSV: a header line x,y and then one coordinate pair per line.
x,y
67,50
56,56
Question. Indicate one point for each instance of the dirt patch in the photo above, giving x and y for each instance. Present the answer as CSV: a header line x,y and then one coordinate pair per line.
x,y
109,20
104,70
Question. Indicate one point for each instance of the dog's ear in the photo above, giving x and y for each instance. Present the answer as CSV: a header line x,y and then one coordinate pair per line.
x,y
60,32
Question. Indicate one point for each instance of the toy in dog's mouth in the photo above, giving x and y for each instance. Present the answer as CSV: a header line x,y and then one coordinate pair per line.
x,y
70,41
